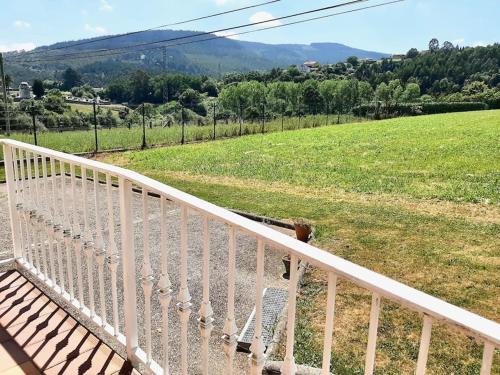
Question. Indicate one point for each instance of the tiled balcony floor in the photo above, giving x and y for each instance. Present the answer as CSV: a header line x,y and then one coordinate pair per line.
x,y
39,337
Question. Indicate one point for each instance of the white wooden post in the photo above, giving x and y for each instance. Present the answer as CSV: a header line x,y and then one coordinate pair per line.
x,y
425,341
100,251
372,335
11,187
487,359
257,356
289,367
330,315
128,257
164,285
147,279
205,319
184,297
230,329
113,256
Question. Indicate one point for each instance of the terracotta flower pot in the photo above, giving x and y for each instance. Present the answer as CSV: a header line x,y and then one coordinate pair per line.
x,y
303,232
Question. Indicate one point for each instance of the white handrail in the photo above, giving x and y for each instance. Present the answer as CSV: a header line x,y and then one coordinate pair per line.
x,y
434,309
386,287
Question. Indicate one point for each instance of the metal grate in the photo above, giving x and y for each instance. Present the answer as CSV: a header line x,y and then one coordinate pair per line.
x,y
274,300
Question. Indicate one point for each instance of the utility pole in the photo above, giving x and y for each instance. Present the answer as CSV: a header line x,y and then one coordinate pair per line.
x,y
215,117
33,117
144,145
165,91
4,89
95,128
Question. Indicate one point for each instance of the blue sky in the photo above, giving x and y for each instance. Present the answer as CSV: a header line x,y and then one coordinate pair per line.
x,y
391,29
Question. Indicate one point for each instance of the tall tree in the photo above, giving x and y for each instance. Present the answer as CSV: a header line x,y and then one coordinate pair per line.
x,y
38,89
434,45
71,78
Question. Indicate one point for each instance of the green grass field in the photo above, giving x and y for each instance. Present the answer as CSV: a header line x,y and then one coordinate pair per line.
x,y
120,138
416,199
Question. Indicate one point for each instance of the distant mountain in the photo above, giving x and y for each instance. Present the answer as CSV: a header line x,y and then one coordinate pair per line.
x,y
212,57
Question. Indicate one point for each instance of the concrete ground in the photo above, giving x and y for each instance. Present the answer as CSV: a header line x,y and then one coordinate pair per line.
x,y
245,275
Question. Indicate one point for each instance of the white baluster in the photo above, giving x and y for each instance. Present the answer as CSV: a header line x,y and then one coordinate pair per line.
x,y
487,359
184,298
230,329
77,237
57,228
113,253
257,357
88,244
26,211
16,222
147,279
33,215
372,334
12,198
289,367
40,218
49,223
164,285
330,316
205,319
425,341
67,232
100,250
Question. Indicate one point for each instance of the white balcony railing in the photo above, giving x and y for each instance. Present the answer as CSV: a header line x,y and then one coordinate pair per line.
x,y
58,226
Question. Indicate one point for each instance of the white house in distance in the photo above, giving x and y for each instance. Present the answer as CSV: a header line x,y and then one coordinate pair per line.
x,y
308,66
25,91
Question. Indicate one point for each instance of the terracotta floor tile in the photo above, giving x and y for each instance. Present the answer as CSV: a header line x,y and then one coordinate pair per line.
x,y
12,294
27,368
26,310
36,336
10,279
60,348
48,324
11,355
100,360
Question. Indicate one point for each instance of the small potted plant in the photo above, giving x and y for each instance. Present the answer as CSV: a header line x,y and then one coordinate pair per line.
x,y
303,230
303,233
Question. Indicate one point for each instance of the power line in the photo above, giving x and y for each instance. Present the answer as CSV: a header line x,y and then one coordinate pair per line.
x,y
250,31
352,2
154,28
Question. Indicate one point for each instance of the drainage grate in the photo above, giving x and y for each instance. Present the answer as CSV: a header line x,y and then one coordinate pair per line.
x,y
274,300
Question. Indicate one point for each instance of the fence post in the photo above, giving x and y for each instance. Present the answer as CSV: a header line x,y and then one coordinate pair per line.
x,y
215,118
11,188
144,145
129,271
33,117
95,129
183,124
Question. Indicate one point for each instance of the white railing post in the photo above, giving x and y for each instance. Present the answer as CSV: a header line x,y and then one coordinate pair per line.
x,y
330,316
425,341
257,356
128,257
11,187
184,297
205,319
230,329
487,359
164,286
289,367
372,335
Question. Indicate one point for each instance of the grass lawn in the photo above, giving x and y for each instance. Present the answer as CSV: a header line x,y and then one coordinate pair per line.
x,y
416,199
83,141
